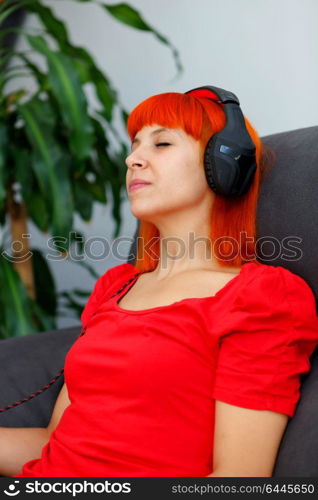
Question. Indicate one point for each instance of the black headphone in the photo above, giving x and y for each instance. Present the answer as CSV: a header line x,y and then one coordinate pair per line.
x,y
229,157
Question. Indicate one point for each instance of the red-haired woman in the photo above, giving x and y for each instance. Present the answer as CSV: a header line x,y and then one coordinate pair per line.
x,y
193,367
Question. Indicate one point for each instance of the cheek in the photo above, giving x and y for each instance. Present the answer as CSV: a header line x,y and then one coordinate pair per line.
x,y
179,178
199,178
181,193
192,182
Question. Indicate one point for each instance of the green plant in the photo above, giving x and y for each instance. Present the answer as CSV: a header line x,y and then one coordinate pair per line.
x,y
56,158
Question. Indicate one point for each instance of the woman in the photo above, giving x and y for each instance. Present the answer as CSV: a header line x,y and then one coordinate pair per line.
x,y
191,360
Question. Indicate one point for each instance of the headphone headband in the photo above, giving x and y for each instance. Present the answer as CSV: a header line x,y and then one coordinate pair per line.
x,y
215,93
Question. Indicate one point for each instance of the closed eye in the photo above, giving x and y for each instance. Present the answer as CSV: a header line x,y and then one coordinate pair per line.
x,y
163,144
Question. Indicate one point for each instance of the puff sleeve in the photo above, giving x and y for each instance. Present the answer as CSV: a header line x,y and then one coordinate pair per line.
x,y
103,285
267,350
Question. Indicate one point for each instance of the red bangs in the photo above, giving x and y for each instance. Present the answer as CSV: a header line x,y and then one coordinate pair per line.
x,y
176,110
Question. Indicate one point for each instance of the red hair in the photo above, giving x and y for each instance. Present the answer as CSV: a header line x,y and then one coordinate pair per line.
x,y
201,118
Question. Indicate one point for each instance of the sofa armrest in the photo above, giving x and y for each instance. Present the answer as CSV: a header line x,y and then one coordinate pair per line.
x,y
27,364
298,452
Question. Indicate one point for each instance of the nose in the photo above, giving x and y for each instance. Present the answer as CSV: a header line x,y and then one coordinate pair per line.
x,y
134,160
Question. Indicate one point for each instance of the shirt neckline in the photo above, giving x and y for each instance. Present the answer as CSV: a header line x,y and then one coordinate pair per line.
x,y
218,294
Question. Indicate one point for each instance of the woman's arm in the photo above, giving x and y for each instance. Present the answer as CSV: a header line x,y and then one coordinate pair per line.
x,y
246,441
20,445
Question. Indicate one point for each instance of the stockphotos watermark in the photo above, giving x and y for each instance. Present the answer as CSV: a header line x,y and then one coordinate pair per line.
x,y
75,488
96,248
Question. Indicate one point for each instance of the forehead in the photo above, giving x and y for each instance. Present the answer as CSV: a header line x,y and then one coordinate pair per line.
x,y
153,130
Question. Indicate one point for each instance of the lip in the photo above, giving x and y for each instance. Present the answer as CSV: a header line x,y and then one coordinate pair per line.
x,y
137,184
134,187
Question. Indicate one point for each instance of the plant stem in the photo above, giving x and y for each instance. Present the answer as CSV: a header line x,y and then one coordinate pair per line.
x,y
20,245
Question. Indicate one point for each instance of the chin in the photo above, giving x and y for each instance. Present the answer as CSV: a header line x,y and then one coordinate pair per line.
x,y
142,208
142,215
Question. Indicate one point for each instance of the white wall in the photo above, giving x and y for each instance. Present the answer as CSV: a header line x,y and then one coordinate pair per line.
x,y
265,51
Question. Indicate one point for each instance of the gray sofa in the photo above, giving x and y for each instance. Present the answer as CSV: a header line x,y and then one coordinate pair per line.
x,y
288,205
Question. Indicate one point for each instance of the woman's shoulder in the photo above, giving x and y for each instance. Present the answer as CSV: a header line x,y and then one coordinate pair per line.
x,y
109,280
276,287
113,276
259,274
119,271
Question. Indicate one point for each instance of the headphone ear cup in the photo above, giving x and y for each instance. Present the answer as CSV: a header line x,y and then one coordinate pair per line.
x,y
209,165
247,180
222,171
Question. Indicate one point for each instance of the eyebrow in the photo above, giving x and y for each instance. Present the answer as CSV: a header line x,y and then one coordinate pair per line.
x,y
157,131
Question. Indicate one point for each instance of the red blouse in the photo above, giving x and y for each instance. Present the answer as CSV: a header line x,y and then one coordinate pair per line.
x,y
143,384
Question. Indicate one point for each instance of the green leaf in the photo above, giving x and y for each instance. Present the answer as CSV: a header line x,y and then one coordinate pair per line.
x,y
44,320
5,4
6,79
106,94
81,293
72,303
35,201
66,86
12,97
44,283
12,30
111,172
37,210
8,10
3,163
83,199
95,186
50,165
54,26
23,170
82,60
124,116
97,190
16,315
37,74
127,15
